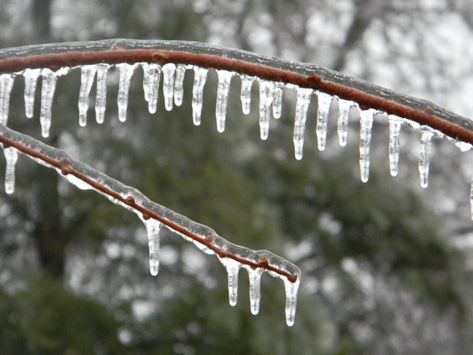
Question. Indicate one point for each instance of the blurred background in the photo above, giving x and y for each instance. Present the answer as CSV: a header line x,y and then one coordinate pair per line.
x,y
386,265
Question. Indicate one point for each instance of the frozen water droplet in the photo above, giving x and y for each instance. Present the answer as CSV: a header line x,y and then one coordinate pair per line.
x,y
366,123
233,268
168,85
394,147
49,79
31,79
265,100
86,80
344,107
277,100
246,83
153,228
302,105
6,85
101,97
323,108
255,292
179,84
126,72
424,157
11,157
200,77
224,78
291,289
151,78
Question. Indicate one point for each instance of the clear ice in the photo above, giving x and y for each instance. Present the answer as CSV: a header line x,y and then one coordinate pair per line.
x,y
101,96
277,100
168,85
224,78
11,157
246,83
31,80
254,276
302,105
233,268
291,289
265,100
179,84
394,147
344,107
200,77
126,72
323,108
6,85
48,86
366,122
152,228
87,76
424,157
151,78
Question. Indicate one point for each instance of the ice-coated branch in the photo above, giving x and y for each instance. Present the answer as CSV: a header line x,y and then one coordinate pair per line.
x,y
154,215
367,95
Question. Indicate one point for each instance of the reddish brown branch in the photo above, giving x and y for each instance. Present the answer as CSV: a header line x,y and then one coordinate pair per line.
x,y
304,75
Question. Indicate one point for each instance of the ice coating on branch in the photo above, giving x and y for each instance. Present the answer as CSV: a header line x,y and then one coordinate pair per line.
x,y
366,122
151,78
394,147
152,228
11,157
200,78
126,72
224,78
424,157
277,100
48,86
254,276
6,85
344,107
168,85
265,100
233,268
87,76
245,96
291,289
302,105
323,108
101,96
179,84
31,80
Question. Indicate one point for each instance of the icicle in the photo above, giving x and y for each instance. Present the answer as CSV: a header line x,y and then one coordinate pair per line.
x,y
323,108
6,85
179,84
366,122
291,289
152,229
233,268
126,72
31,79
151,78
394,131
246,83
265,100
302,105
49,79
224,78
255,294
11,157
200,77
86,80
101,98
168,84
277,100
344,107
424,157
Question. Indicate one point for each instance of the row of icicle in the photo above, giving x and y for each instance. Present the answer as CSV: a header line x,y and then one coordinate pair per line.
x,y
270,105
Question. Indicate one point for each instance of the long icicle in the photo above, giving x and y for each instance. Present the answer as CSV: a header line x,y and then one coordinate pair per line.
x,y
394,145
233,268
344,107
224,78
366,123
101,96
179,84
323,108
424,157
31,80
200,78
254,276
6,85
168,85
245,96
151,78
152,228
265,100
291,289
277,100
126,72
49,79
86,80
11,157
302,105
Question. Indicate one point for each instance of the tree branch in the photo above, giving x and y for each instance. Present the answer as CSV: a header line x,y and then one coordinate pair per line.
x,y
367,95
